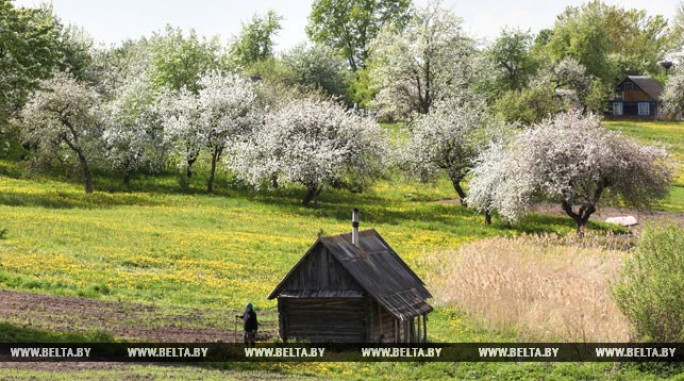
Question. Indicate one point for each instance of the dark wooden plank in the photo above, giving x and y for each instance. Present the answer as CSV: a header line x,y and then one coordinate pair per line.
x,y
340,320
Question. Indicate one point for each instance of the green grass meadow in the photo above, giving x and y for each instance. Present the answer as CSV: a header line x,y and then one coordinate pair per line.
x,y
155,243
669,135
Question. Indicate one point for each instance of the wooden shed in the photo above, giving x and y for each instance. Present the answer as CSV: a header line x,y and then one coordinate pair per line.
x,y
352,288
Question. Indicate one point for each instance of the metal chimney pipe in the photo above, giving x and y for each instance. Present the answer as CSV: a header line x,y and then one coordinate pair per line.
x,y
355,227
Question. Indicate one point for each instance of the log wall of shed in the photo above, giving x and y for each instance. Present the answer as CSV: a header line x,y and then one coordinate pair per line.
x,y
323,320
382,324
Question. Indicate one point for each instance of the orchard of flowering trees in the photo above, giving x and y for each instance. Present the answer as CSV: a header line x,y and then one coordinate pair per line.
x,y
222,113
508,124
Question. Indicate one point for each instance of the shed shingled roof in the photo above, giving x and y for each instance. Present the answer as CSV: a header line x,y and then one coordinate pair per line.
x,y
649,85
377,268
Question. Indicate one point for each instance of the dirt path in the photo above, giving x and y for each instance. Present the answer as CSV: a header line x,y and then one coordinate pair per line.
x,y
64,366
642,216
127,321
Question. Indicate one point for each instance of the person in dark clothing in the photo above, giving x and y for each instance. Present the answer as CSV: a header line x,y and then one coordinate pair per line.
x,y
250,324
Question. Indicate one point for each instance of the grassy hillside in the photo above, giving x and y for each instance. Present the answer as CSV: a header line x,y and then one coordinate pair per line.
x,y
155,244
194,249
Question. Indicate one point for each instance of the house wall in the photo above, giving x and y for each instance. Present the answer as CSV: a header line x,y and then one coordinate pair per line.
x,y
629,91
345,320
340,320
630,109
635,95
630,95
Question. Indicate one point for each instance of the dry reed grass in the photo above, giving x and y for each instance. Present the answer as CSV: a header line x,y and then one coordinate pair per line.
x,y
547,288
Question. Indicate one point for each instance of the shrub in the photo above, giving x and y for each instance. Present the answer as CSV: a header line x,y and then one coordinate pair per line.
x,y
650,289
528,106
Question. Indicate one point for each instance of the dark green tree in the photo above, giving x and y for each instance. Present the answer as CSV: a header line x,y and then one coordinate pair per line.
x,y
609,40
349,25
528,106
580,33
28,53
179,61
513,59
255,42
318,69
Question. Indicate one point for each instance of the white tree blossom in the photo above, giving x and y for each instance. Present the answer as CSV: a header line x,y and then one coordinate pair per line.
x,y
487,173
487,193
314,143
65,115
181,131
572,160
449,138
576,89
428,60
221,114
673,94
570,73
133,135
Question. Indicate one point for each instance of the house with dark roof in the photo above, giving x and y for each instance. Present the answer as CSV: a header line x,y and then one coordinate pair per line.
x,y
637,97
352,288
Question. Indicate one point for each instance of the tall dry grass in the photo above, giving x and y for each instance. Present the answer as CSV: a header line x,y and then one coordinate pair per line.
x,y
547,288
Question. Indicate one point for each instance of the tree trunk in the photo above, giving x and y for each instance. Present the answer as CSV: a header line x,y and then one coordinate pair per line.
x,y
215,156
585,213
126,171
424,176
188,170
274,181
456,182
127,177
87,176
581,218
190,159
567,207
488,218
581,228
352,61
312,194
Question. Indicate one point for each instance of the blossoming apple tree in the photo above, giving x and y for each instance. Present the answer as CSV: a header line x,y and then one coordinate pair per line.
x,y
571,160
315,143
222,113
